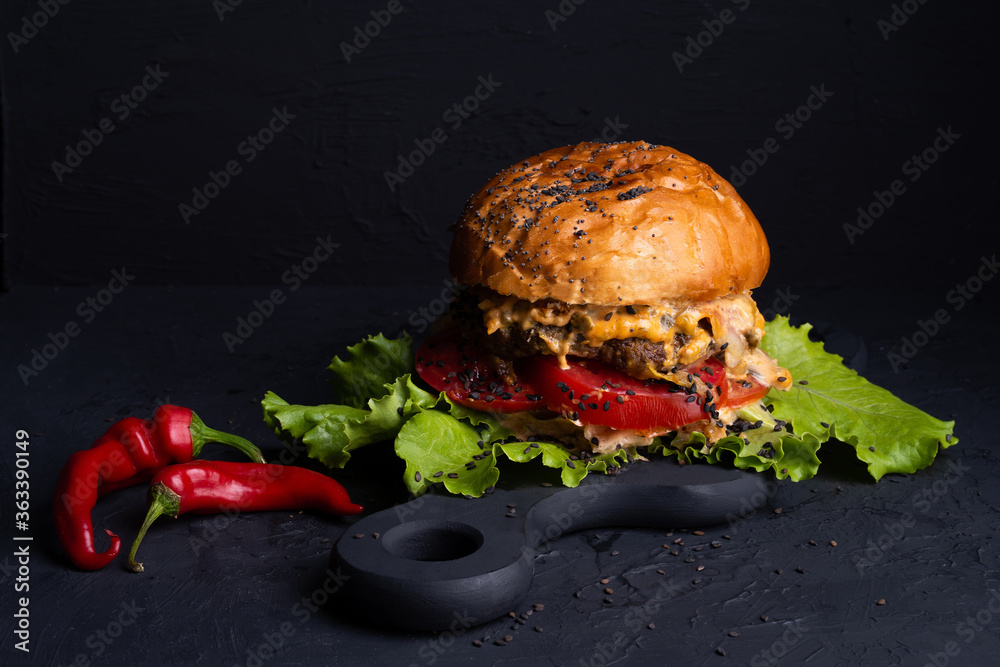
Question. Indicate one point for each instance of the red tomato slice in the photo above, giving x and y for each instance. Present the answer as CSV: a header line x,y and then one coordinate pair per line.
x,y
742,392
464,372
595,393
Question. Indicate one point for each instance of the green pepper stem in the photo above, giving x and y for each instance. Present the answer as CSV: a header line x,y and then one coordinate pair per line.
x,y
202,435
163,500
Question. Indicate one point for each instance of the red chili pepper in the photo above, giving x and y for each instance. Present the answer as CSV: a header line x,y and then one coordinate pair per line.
x,y
129,453
209,487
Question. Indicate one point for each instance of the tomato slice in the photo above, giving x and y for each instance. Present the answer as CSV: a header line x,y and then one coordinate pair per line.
x,y
742,392
467,375
588,390
595,393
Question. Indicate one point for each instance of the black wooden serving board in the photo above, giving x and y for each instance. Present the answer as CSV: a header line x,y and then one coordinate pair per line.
x,y
424,563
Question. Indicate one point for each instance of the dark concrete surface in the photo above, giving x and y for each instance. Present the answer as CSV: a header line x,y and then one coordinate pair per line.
x,y
240,590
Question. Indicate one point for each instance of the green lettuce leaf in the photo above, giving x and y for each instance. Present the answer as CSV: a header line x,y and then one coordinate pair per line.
x,y
331,432
371,366
887,433
444,442
436,447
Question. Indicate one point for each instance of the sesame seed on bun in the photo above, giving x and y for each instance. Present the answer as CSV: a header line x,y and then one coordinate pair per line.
x,y
605,224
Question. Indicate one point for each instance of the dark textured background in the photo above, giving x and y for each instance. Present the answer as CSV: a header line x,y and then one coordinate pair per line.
x,y
325,173
609,64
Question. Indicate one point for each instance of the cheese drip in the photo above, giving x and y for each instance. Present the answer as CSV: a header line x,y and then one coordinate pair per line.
x,y
687,332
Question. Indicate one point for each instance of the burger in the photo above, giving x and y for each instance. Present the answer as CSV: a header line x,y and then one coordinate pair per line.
x,y
605,301
604,314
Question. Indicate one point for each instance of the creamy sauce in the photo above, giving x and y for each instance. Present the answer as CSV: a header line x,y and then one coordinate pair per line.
x,y
733,321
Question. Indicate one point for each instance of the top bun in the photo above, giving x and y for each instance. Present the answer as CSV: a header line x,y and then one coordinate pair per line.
x,y
610,224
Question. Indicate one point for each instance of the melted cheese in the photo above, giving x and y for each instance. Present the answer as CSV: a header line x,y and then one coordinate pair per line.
x,y
732,321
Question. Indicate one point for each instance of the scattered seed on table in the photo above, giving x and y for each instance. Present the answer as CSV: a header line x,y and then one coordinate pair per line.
x,y
799,570
812,543
880,601
763,617
698,533
777,510
720,651
660,572
538,606
537,628
608,600
500,642
833,543
615,552
511,614
651,626
778,571
358,536
476,642
508,638
605,580
733,633
609,591
689,560
700,568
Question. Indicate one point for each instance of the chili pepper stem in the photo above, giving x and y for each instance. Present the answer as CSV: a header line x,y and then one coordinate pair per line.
x,y
202,435
163,500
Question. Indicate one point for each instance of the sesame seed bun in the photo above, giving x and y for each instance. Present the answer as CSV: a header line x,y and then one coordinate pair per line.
x,y
607,224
